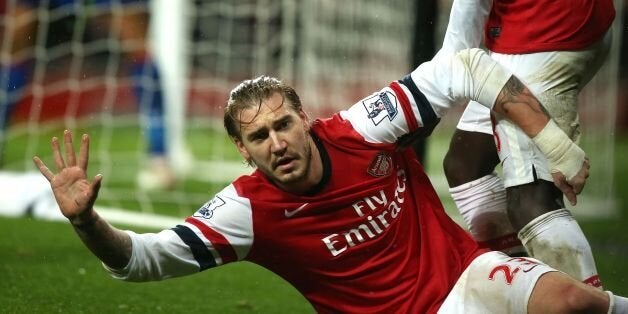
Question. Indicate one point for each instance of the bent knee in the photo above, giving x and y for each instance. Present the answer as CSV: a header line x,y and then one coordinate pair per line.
x,y
580,298
555,292
471,155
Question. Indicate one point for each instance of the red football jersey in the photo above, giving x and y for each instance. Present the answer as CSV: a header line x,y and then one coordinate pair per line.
x,y
374,239
527,26
371,237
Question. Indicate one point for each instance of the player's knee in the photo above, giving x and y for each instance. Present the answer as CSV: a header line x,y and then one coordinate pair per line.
x,y
579,298
455,169
471,156
529,201
460,170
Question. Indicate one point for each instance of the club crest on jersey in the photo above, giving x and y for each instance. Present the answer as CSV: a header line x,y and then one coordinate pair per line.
x,y
381,165
207,211
379,107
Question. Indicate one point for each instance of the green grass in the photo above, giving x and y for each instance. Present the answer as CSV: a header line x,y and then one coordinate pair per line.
x,y
609,237
44,268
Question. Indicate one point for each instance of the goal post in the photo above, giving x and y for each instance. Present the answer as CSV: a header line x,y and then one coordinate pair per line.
x,y
168,32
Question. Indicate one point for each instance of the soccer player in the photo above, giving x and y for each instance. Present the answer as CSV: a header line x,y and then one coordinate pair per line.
x,y
554,48
341,211
133,22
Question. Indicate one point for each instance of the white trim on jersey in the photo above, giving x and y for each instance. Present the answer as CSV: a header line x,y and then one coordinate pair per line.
x,y
220,232
379,118
231,217
470,74
156,256
439,84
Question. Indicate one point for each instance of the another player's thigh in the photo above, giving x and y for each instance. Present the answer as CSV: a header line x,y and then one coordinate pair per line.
x,y
556,79
495,283
522,162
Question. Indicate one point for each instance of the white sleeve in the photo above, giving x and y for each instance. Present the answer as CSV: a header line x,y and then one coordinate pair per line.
x,y
465,29
391,113
416,103
470,74
220,232
156,256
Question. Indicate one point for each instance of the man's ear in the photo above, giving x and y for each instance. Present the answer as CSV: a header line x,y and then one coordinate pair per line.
x,y
306,120
242,150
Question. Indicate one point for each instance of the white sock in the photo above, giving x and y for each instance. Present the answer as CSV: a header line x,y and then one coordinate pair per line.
x,y
482,204
556,239
618,304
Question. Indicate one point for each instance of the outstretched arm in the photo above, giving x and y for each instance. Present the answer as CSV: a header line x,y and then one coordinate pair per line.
x,y
76,195
569,165
472,75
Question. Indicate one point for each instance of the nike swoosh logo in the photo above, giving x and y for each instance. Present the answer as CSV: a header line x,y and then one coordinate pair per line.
x,y
290,213
529,269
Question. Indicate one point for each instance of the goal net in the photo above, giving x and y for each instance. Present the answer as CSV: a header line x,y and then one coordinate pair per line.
x,y
78,65
79,61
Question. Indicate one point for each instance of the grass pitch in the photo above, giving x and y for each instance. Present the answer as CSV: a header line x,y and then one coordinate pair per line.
x,y
44,268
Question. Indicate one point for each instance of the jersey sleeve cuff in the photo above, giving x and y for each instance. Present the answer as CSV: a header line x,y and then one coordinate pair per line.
x,y
122,273
496,78
484,78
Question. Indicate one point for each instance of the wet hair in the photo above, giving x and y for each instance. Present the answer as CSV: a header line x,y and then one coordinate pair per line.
x,y
251,94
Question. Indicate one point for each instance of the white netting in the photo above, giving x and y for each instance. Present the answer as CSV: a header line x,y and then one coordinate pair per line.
x,y
598,110
332,52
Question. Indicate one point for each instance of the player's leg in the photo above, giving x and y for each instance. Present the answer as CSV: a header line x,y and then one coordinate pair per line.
x,y
536,208
476,189
471,159
18,31
556,292
550,232
497,283
148,90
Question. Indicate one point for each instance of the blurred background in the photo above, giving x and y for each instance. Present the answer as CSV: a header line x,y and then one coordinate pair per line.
x,y
148,81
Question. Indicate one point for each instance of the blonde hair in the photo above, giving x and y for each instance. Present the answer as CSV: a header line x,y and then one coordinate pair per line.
x,y
251,93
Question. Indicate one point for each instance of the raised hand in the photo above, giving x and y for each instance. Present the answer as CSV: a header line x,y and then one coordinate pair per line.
x,y
75,195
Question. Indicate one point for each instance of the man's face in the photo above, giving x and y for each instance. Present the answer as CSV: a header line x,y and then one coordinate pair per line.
x,y
276,139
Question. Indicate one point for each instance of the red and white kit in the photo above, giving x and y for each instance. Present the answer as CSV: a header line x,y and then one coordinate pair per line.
x,y
555,57
373,235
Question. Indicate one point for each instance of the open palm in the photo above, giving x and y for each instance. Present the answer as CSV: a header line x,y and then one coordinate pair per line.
x,y
75,195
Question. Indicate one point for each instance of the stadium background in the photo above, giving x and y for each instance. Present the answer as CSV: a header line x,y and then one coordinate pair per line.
x,y
334,56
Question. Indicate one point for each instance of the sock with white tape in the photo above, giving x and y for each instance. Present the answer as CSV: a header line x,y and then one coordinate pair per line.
x,y
556,239
482,204
618,304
